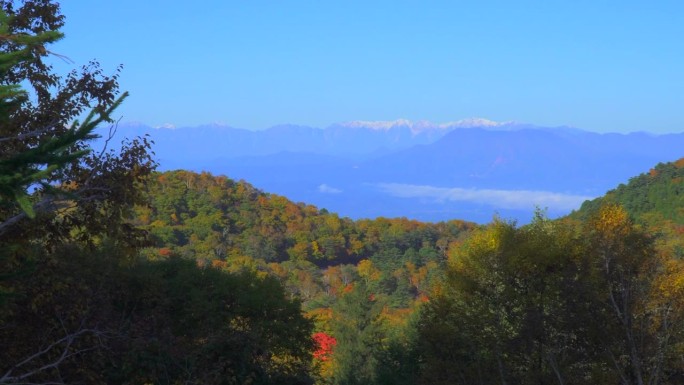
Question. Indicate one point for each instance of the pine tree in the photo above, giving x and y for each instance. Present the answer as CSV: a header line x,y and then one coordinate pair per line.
x,y
357,327
57,195
46,162
32,156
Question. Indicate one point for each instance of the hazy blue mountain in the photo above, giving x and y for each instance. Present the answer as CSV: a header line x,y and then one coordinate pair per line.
x,y
468,169
528,159
357,140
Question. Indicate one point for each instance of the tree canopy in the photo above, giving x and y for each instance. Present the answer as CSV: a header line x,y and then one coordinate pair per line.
x,y
111,272
77,304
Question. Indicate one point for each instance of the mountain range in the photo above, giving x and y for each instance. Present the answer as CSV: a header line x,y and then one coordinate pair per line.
x,y
470,169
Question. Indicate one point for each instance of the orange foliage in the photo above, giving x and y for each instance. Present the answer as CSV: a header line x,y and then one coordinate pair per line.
x,y
218,264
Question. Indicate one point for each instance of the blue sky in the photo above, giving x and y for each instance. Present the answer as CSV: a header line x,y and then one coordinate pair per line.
x,y
604,66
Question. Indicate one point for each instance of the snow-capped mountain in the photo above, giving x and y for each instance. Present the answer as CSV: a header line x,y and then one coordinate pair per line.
x,y
466,169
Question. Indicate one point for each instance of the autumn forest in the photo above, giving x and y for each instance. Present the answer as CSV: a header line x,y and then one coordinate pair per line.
x,y
112,272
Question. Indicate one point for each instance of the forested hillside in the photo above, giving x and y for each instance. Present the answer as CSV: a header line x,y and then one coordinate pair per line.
x,y
595,302
215,220
113,273
655,199
77,303
402,302
655,196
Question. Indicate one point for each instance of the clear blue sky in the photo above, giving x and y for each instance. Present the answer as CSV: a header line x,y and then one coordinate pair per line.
x,y
598,65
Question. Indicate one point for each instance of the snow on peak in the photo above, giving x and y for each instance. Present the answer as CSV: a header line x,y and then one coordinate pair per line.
x,y
377,125
169,126
423,125
472,122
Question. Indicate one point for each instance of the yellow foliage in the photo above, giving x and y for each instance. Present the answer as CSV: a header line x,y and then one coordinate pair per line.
x,y
671,283
300,250
157,223
321,318
396,317
355,246
612,219
239,263
316,249
368,271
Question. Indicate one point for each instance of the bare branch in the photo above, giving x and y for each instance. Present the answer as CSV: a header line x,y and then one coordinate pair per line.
x,y
54,203
112,131
67,341
44,205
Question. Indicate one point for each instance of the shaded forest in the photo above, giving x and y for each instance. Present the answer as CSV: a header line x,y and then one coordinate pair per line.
x,y
113,273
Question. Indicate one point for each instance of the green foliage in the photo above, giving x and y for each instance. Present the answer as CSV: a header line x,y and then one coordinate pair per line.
x,y
213,218
217,296
18,171
553,303
399,360
76,305
500,307
357,325
160,322
653,197
326,261
216,217
46,164
224,328
23,48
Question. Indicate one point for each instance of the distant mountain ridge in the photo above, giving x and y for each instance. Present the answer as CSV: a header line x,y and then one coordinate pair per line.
x,y
356,138
424,125
468,169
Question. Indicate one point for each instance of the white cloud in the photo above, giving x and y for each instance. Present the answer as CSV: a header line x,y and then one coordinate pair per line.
x,y
324,188
504,199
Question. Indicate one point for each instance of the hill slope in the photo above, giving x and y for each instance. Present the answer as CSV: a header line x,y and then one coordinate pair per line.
x,y
208,217
653,197
425,172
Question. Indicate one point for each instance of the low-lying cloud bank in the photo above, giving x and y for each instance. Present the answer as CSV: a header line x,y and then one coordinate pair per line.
x,y
504,199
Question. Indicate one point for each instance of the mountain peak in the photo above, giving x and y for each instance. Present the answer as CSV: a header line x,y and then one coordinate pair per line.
x,y
169,126
423,125
380,125
473,122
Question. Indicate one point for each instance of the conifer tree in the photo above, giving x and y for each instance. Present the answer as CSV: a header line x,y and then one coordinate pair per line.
x,y
57,195
19,170
358,328
46,162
